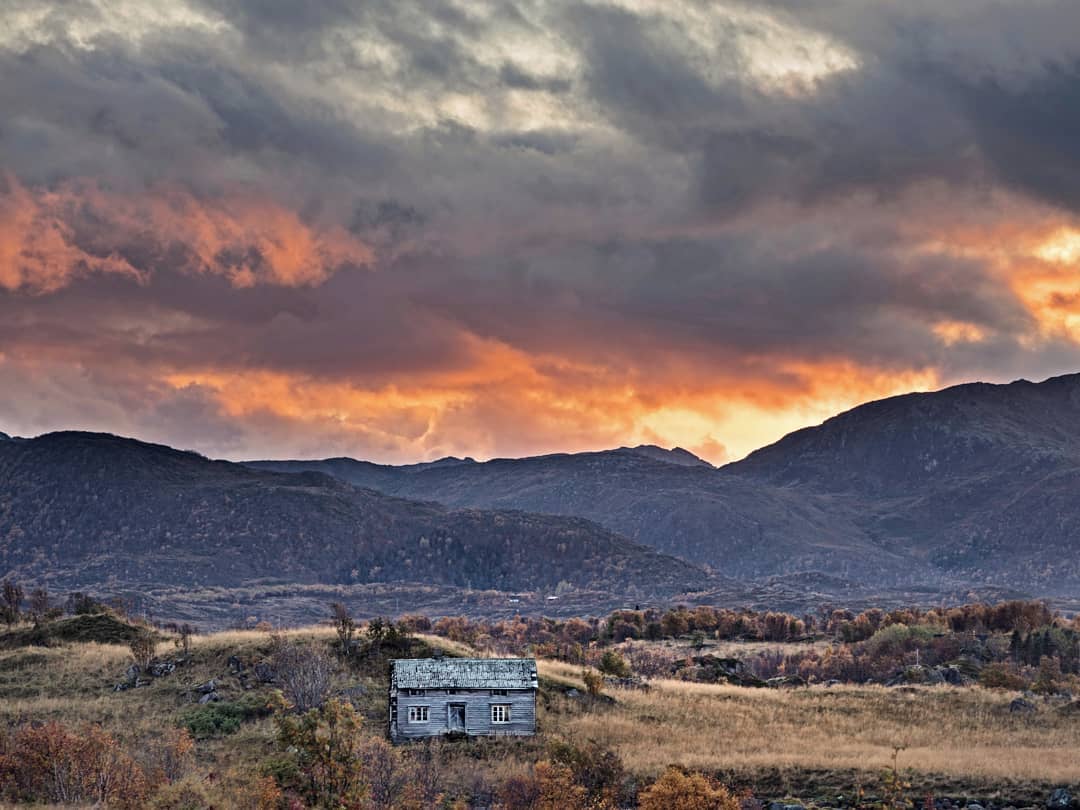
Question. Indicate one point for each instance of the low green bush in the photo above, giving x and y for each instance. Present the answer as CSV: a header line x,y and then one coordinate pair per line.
x,y
222,718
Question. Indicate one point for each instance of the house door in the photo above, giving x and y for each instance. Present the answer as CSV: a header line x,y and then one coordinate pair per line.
x,y
457,717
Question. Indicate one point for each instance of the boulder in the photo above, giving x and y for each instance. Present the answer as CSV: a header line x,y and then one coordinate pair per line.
x,y
953,676
208,688
236,666
1060,799
209,697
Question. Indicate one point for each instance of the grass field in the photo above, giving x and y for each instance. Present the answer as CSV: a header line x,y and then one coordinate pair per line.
x,y
801,742
964,734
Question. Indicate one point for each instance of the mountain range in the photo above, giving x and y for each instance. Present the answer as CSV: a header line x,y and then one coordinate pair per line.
x,y
85,510
971,487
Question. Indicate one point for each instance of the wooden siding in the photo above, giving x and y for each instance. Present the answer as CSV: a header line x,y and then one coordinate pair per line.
x,y
477,704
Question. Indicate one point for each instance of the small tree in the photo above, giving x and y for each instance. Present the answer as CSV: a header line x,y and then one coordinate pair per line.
x,y
612,663
344,626
594,682
1048,679
12,599
143,648
678,789
328,745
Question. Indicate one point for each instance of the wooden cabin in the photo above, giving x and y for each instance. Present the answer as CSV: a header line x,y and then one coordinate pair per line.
x,y
430,697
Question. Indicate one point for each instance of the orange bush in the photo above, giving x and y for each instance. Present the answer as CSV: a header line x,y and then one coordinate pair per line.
x,y
548,787
677,789
51,763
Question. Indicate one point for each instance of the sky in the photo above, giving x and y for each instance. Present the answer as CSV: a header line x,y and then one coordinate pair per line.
x,y
402,230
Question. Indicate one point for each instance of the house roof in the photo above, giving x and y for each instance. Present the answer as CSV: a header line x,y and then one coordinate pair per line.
x,y
464,673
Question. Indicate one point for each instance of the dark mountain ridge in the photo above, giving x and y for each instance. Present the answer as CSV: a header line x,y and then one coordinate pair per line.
x,y
974,484
92,510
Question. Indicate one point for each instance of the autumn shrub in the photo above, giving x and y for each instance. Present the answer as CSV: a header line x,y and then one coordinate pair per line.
x,y
55,764
166,755
187,794
597,769
678,789
998,676
547,787
594,682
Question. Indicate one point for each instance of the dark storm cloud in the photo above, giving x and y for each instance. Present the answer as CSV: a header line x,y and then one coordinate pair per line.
x,y
575,183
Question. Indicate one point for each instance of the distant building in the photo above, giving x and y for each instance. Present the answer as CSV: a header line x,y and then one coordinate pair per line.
x,y
430,697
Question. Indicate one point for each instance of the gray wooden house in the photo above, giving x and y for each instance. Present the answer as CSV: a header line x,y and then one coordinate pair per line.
x,y
430,697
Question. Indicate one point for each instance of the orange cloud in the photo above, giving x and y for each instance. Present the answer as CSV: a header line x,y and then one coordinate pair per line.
x,y
49,237
37,243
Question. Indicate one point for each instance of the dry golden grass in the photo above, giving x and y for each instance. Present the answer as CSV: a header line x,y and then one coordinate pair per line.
x,y
954,732
966,735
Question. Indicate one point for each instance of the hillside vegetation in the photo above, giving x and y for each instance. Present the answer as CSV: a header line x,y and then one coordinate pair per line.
x,y
599,746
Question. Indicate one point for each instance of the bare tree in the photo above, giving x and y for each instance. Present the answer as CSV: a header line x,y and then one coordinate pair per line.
x,y
184,632
12,594
304,673
345,627
39,604
385,773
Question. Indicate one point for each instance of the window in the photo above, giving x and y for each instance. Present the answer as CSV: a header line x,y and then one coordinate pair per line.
x,y
418,714
500,713
451,691
499,692
416,692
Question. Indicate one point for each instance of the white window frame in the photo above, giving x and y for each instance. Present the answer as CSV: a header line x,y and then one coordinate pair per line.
x,y
419,714
500,713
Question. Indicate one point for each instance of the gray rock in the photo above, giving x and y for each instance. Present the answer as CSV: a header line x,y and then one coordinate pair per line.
x,y
209,697
159,669
953,676
236,666
1060,799
974,806
1022,706
209,687
934,677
